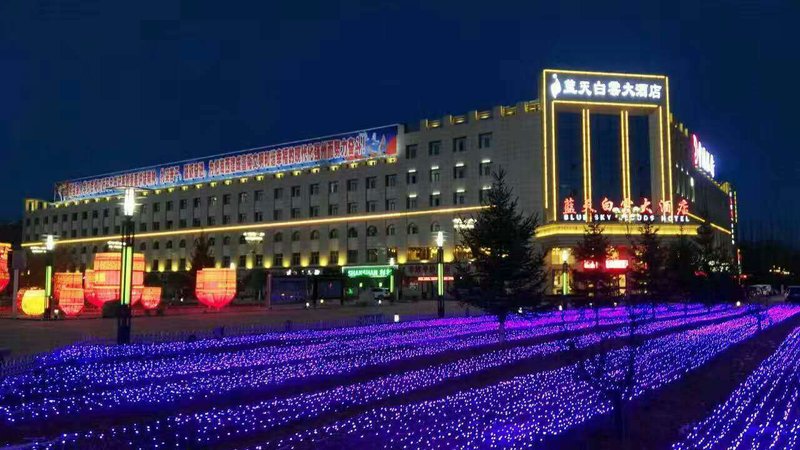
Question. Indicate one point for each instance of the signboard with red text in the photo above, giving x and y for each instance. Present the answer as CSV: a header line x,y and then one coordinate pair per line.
x,y
626,211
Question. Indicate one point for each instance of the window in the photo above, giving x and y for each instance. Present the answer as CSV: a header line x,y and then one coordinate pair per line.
x,y
391,180
412,229
434,148
84,216
485,140
242,218
372,255
226,261
314,261
226,240
242,260
242,240
333,234
313,211
352,232
295,213
333,187
391,204
258,195
258,216
352,208
411,151
295,191
390,230
411,202
372,230
333,210
435,199
418,254
94,216
435,227
295,236
226,219
259,260
142,246
169,224
212,201
156,226
352,257
459,144
391,253
313,189
459,198
196,202
242,197
182,223
211,220
483,195
226,199
278,237
154,265
371,182
277,259
196,222
168,245
277,194
459,172
411,177
74,217
212,241
352,185
182,243
333,258
183,203
314,235
105,214
156,245
372,206
486,169
295,259
435,175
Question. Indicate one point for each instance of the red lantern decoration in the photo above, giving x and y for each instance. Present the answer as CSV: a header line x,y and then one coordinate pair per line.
x,y
216,287
4,276
102,283
63,280
151,297
31,301
71,301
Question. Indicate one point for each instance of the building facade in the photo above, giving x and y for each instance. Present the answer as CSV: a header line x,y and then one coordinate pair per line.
x,y
381,195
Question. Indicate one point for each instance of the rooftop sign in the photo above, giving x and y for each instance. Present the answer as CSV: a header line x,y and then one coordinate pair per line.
x,y
561,85
703,159
346,147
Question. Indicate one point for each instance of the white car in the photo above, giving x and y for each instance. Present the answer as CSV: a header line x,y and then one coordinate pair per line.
x,y
380,293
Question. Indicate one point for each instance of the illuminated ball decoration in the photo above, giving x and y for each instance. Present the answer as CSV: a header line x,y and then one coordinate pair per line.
x,y
216,287
31,301
102,282
151,297
4,276
71,301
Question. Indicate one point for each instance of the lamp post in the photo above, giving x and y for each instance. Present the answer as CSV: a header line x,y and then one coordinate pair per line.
x,y
254,239
564,272
440,274
49,248
126,267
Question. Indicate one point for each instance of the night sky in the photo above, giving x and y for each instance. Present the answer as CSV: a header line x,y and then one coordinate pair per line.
x,y
88,87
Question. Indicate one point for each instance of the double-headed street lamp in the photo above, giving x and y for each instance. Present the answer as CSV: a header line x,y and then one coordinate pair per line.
x,y
126,267
254,239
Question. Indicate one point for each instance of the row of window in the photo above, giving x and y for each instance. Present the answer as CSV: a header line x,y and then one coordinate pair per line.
x,y
459,145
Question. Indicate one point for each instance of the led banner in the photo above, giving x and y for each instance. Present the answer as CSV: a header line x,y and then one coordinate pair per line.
x,y
604,87
347,147
703,159
626,211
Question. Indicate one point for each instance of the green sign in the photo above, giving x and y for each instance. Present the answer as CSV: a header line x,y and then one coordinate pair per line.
x,y
368,271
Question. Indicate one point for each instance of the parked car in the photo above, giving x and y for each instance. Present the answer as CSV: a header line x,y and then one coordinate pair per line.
x,y
793,294
380,293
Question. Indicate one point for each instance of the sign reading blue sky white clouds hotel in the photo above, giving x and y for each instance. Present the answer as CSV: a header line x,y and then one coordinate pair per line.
x,y
603,87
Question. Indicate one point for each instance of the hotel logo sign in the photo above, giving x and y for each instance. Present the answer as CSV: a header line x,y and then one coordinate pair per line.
x,y
603,87
703,159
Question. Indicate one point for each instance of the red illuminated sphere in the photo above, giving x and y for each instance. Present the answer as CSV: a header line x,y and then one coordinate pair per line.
x,y
216,288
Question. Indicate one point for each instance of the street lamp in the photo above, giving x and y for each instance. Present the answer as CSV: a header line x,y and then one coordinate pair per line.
x,y
254,239
49,241
126,267
564,271
440,273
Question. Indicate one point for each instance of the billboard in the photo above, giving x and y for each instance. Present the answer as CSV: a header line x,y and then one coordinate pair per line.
x,y
566,85
346,147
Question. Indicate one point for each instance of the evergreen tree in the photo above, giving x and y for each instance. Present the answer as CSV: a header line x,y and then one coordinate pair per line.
x,y
648,274
202,257
681,265
505,272
593,281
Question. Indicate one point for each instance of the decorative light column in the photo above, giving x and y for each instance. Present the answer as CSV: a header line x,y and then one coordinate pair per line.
x,y
564,272
49,249
126,267
440,273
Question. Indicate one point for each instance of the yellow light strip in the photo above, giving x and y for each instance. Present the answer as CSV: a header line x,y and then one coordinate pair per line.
x,y
612,74
669,141
544,149
628,151
583,152
612,229
661,149
623,163
553,160
590,103
257,226
713,225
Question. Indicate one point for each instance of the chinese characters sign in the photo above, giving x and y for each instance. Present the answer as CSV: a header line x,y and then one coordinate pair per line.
x,y
589,86
627,211
348,147
703,159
